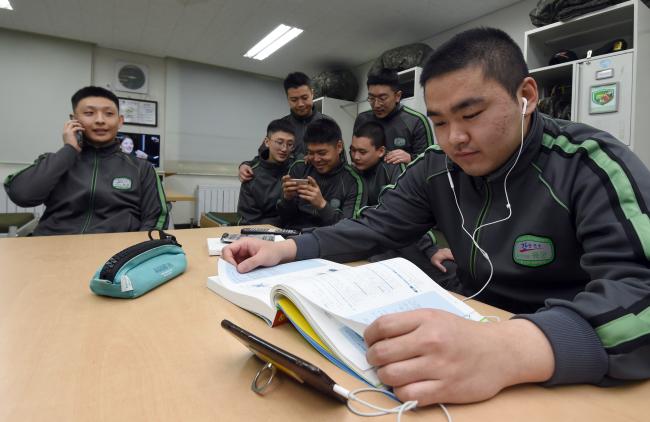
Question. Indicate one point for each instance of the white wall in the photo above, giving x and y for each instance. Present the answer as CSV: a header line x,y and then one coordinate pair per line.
x,y
513,20
104,62
217,117
38,75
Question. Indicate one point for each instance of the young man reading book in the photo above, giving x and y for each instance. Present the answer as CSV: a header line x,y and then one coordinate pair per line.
x,y
258,197
90,185
327,189
569,239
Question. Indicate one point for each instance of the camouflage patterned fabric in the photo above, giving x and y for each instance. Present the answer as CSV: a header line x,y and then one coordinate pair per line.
x,y
339,84
402,58
549,11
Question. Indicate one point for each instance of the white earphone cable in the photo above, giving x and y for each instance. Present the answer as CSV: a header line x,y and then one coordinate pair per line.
x,y
508,206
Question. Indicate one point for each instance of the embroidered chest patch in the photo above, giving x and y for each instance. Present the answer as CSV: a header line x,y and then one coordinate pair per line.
x,y
122,183
335,203
533,251
399,142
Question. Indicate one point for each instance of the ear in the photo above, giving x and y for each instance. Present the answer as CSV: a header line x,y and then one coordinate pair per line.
x,y
121,121
398,95
71,116
382,151
339,146
528,90
266,141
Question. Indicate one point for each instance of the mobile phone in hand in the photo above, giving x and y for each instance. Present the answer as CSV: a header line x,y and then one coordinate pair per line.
x,y
300,181
80,138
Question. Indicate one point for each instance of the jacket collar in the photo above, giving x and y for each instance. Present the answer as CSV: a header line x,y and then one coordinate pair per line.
x,y
395,112
304,120
102,150
264,162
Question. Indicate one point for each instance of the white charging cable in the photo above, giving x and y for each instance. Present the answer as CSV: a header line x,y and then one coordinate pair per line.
x,y
351,396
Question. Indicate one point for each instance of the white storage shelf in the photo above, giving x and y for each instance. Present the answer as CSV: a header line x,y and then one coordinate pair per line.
x,y
630,21
587,32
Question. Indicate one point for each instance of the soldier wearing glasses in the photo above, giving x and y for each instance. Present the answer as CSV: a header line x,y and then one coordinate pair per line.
x,y
408,132
258,197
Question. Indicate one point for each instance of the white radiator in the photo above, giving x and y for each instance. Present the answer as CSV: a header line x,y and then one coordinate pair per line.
x,y
216,198
7,206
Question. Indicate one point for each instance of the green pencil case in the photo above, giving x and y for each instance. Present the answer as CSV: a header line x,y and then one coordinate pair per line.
x,y
137,269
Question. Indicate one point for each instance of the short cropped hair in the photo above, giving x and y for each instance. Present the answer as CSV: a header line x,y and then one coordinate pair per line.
x,y
279,125
296,80
384,77
373,131
491,49
94,91
322,131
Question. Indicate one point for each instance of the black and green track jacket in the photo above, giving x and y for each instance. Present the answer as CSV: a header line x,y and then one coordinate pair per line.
x,y
299,126
375,179
576,249
404,127
342,188
258,198
99,190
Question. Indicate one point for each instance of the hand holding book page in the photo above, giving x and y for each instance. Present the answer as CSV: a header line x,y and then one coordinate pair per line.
x,y
331,304
339,305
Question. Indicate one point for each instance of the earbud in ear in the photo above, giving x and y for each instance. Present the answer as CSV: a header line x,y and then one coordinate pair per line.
x,y
523,108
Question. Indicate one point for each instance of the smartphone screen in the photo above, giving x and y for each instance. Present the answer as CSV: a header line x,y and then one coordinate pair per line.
x,y
298,369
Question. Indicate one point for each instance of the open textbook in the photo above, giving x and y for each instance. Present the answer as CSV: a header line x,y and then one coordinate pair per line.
x,y
332,304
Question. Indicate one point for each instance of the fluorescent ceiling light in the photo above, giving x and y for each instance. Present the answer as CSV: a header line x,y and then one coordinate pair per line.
x,y
4,4
272,42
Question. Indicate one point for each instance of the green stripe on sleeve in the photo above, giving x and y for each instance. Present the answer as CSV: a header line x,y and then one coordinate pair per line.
x,y
620,182
432,236
424,121
626,328
162,218
357,202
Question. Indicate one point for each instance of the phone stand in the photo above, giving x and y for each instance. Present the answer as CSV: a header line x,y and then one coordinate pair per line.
x,y
259,377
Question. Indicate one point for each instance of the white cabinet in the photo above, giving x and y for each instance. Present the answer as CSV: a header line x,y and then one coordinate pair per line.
x,y
610,91
604,94
412,92
342,111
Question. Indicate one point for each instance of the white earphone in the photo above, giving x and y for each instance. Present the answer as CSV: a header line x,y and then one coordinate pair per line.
x,y
523,109
505,190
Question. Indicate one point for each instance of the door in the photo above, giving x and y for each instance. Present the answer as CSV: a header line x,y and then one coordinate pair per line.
x,y
604,98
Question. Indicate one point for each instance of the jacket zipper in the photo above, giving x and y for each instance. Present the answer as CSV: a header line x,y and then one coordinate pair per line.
x,y
92,196
481,217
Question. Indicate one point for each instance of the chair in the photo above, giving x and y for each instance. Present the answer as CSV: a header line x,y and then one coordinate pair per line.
x,y
218,219
15,224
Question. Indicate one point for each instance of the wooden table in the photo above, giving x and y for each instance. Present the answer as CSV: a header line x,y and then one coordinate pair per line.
x,y
68,355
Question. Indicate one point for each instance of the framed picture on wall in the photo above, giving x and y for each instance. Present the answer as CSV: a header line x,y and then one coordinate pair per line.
x,y
139,112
